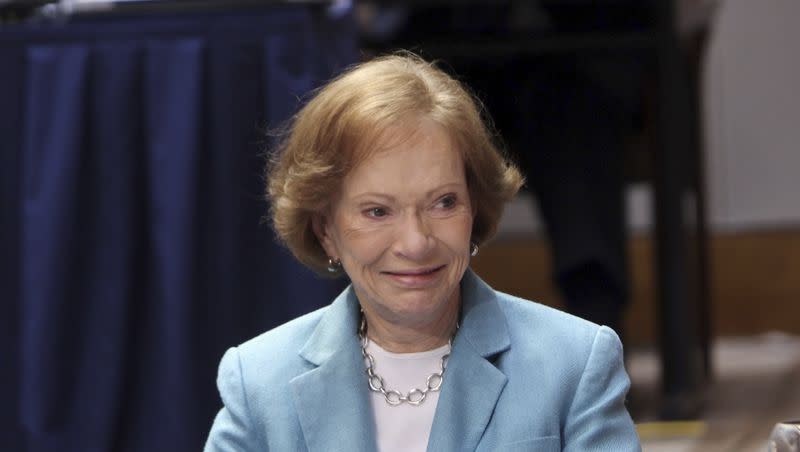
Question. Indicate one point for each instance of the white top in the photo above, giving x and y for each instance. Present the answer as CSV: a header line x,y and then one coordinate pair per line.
x,y
404,427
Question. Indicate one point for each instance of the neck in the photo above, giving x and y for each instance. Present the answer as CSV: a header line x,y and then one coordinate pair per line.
x,y
417,337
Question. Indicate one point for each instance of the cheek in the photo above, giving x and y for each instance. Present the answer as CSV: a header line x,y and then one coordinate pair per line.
x,y
458,232
364,246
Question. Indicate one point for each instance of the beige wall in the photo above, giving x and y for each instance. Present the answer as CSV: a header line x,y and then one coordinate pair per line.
x,y
752,114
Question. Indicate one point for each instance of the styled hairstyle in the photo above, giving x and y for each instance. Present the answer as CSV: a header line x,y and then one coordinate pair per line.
x,y
344,120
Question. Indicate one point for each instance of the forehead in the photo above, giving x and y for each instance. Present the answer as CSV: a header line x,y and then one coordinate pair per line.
x,y
401,135
422,153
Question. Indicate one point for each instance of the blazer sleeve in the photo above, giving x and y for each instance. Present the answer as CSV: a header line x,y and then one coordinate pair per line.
x,y
231,431
597,419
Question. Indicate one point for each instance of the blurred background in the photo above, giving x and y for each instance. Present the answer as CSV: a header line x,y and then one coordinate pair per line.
x,y
658,139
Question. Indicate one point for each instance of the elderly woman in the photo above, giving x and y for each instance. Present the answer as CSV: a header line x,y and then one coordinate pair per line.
x,y
389,175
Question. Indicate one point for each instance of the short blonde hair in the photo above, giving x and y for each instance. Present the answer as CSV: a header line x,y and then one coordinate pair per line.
x,y
343,120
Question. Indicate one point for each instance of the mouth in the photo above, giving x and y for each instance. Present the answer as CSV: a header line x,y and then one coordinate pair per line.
x,y
415,272
415,278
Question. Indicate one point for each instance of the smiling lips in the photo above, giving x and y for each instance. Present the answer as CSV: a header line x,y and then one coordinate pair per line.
x,y
415,278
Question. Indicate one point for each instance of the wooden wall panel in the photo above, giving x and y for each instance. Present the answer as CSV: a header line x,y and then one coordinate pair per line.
x,y
755,281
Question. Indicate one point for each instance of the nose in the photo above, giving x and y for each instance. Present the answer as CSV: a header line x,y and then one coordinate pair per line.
x,y
414,238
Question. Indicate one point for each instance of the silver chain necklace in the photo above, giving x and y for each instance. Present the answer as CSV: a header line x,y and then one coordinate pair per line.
x,y
415,396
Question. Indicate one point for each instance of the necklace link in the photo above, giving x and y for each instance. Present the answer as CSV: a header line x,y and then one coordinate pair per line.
x,y
376,384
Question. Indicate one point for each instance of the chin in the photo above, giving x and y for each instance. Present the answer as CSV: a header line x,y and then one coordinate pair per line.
x,y
420,303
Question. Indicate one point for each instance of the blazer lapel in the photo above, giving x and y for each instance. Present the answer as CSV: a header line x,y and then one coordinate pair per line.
x,y
472,383
332,400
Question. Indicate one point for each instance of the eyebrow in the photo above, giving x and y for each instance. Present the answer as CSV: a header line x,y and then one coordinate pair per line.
x,y
372,194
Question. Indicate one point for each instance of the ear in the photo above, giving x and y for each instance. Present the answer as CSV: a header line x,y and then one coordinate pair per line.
x,y
319,224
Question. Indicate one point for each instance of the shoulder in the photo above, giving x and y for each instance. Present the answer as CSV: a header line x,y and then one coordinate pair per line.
x,y
540,323
565,345
571,364
252,382
268,361
577,370
526,323
276,352
254,375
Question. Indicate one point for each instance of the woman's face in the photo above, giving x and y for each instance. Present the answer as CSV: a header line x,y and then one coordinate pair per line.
x,y
401,227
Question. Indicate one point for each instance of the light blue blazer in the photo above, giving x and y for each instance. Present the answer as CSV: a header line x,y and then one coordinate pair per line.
x,y
521,377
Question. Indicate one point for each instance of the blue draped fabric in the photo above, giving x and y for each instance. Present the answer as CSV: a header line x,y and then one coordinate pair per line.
x,y
133,251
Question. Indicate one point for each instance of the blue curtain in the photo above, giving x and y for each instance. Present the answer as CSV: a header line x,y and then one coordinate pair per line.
x,y
133,251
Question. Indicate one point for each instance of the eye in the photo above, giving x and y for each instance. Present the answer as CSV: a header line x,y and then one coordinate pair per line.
x,y
447,202
376,212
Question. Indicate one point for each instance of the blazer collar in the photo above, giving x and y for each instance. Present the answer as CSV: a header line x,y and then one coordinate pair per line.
x,y
472,384
337,387
482,322
332,400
